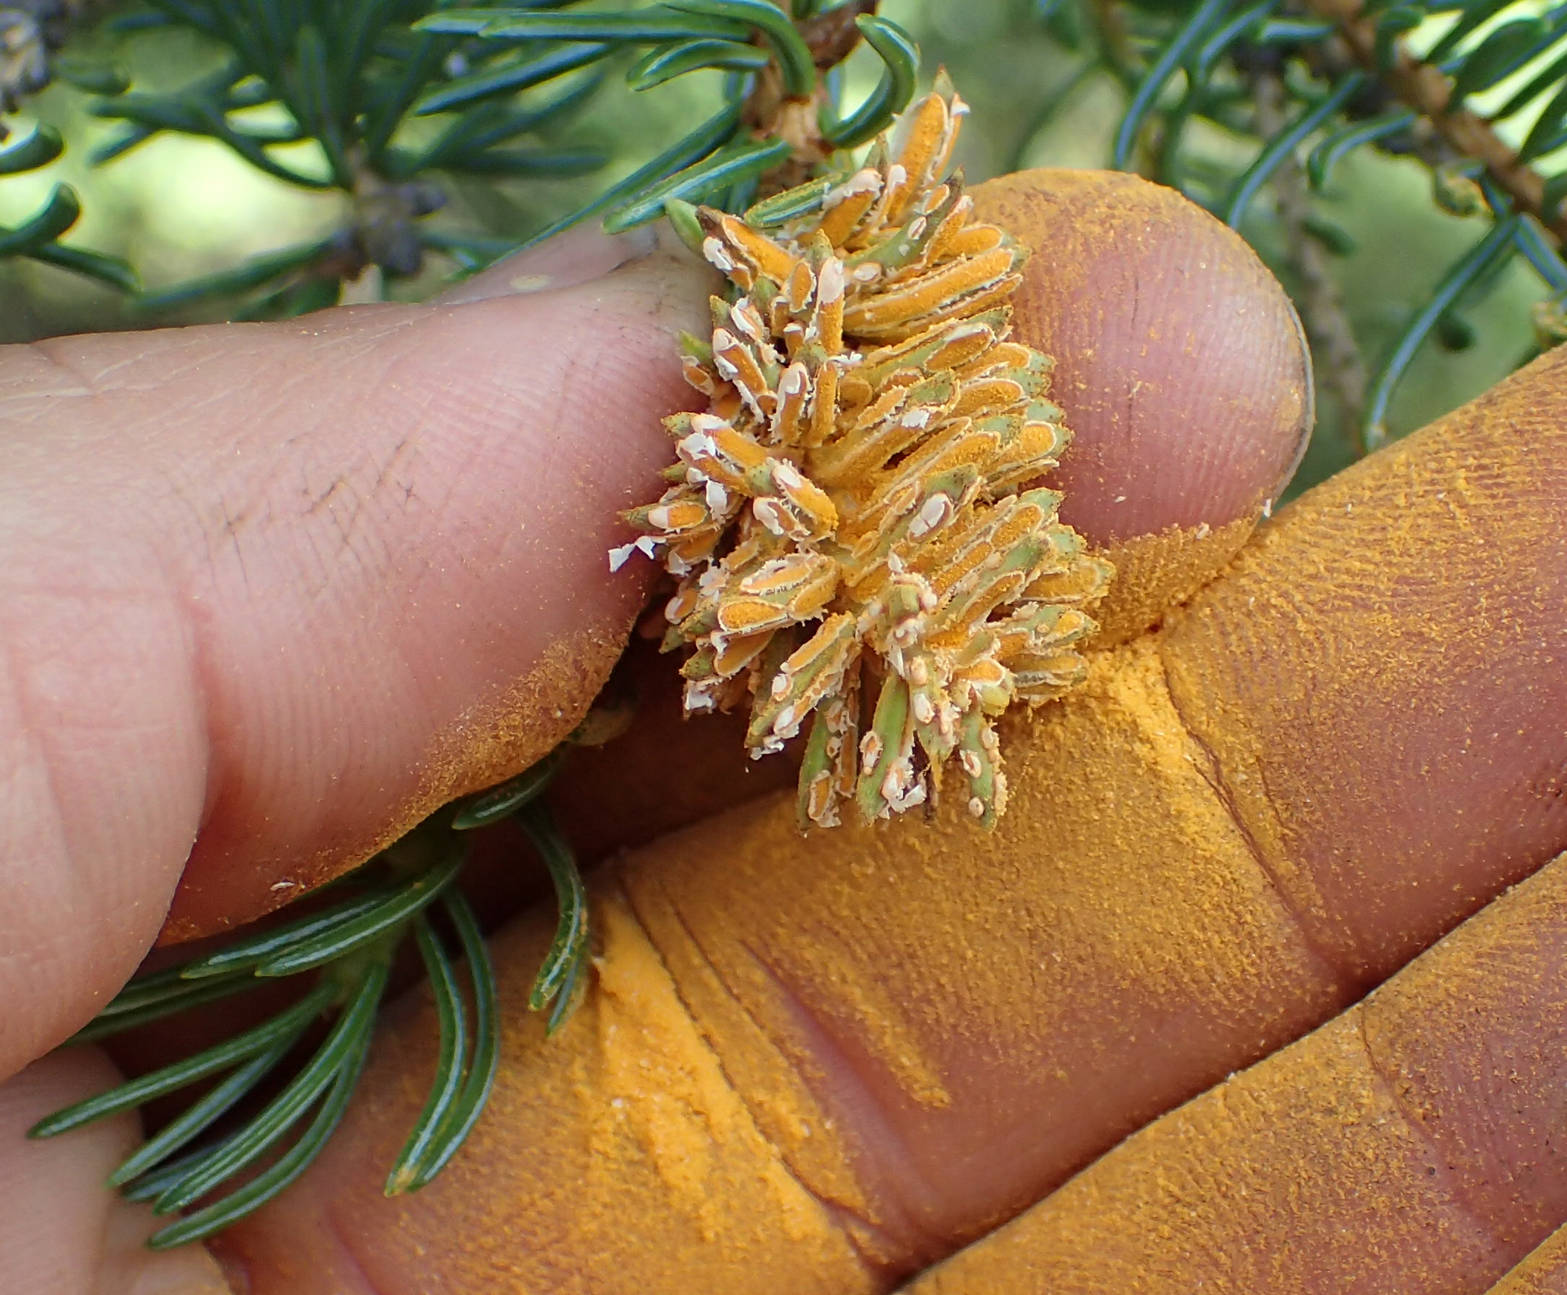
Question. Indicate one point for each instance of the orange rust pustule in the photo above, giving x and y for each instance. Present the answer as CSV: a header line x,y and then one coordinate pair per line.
x,y
1094,235
845,520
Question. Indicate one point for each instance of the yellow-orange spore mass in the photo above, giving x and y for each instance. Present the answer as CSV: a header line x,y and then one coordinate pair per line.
x,y
854,523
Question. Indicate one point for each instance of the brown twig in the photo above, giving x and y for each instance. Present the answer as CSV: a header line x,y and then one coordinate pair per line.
x,y
1425,89
771,113
832,36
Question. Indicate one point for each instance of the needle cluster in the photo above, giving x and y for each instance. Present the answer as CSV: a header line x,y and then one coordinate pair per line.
x,y
854,523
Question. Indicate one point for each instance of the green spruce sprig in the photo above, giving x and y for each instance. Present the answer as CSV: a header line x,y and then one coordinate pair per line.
x,y
393,102
721,161
32,34
1475,90
343,952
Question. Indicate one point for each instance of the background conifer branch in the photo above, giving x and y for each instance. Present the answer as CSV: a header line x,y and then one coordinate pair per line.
x,y
1431,93
1340,367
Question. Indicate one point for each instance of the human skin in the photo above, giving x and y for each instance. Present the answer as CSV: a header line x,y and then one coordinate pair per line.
x,y
836,1061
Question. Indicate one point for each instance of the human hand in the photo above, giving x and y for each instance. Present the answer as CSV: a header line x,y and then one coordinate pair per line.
x,y
280,591
821,1065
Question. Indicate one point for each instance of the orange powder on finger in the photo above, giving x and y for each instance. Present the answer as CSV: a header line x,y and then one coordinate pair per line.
x,y
521,722
671,1099
1372,677
614,1157
820,1063
1154,573
1543,1271
518,724
1406,1145
926,1001
929,1027
1278,1180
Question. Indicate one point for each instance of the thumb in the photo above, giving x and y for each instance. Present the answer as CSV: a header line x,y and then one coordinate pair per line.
x,y
272,593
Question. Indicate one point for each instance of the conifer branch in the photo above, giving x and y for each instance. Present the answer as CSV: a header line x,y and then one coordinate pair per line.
x,y
397,101
1430,93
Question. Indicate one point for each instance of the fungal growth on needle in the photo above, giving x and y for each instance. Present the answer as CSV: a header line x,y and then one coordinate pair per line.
x,y
854,524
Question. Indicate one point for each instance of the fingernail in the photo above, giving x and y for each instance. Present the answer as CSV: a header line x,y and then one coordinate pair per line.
x,y
579,255
1308,416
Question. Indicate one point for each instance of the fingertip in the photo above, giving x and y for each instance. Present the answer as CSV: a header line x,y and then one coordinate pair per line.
x,y
1179,360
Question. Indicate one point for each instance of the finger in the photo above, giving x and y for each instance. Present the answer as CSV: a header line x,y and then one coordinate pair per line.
x,y
1408,1145
1161,280
1377,690
890,1039
61,1233
1184,377
293,586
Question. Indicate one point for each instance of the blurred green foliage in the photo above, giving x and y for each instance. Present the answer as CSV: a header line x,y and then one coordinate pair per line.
x,y
1043,93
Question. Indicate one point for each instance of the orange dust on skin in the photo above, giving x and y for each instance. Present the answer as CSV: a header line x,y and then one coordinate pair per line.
x,y
1369,677
1154,573
495,738
1542,1272
857,979
645,1149
897,1008
1239,824
1411,1144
